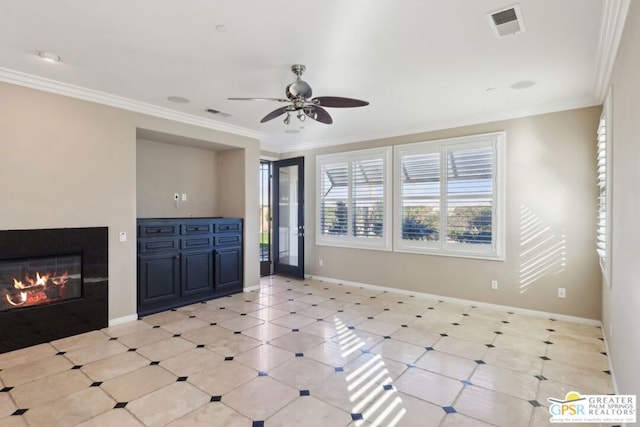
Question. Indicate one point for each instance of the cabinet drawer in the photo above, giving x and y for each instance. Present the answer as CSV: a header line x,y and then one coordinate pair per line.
x,y
153,245
227,239
227,227
196,242
158,230
202,228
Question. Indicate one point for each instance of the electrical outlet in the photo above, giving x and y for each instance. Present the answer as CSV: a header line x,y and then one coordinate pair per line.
x,y
494,284
320,262
562,293
123,236
176,197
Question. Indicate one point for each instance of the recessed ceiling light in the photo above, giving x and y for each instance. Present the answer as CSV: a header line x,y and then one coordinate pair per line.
x,y
522,84
292,131
221,28
490,89
48,56
178,99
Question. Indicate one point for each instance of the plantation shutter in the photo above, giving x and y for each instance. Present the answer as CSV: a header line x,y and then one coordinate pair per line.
x,y
420,196
368,197
469,194
334,187
601,230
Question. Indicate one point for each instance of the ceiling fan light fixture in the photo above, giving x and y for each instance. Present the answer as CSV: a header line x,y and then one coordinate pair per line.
x,y
287,119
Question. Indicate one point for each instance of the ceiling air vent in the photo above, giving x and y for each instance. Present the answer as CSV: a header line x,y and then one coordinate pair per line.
x,y
506,22
217,112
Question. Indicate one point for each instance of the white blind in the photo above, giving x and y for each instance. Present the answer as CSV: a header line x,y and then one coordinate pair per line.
x,y
469,197
353,189
420,197
368,197
449,196
334,196
601,229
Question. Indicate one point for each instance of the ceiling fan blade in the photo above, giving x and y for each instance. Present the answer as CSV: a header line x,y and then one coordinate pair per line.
x,y
318,114
258,99
275,113
338,102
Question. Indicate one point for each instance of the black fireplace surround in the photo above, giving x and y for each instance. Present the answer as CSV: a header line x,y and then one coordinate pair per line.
x,y
85,310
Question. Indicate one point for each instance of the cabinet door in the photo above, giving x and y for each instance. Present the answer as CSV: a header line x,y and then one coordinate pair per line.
x,y
158,278
197,272
229,269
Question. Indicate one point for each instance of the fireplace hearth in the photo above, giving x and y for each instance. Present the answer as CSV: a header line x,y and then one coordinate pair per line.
x,y
53,284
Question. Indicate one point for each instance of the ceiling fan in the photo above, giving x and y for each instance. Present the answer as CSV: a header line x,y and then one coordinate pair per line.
x,y
300,102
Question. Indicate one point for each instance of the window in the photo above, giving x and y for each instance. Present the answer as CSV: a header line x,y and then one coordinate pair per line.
x,y
604,187
449,197
353,191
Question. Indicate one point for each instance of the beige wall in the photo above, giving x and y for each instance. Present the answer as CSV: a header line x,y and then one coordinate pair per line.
x,y
165,169
621,303
71,163
550,179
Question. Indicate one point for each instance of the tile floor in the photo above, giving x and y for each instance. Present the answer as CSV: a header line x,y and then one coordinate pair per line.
x,y
307,353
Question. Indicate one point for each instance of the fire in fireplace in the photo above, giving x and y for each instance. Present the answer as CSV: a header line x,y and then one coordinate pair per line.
x,y
36,281
53,283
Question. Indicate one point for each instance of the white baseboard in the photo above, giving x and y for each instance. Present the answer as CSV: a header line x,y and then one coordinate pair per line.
x,y
517,310
123,319
251,288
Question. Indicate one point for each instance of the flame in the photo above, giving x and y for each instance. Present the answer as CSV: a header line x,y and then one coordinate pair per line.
x,y
35,291
21,301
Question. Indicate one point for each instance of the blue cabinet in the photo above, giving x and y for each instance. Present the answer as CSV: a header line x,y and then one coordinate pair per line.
x,y
186,260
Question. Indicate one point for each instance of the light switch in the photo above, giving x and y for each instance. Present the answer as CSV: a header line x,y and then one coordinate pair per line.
x,y
123,236
184,197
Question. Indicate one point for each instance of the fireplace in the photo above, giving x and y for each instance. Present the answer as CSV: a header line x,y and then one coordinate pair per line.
x,y
53,284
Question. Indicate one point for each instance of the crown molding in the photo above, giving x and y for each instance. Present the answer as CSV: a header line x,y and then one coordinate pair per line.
x,y
47,85
614,15
572,104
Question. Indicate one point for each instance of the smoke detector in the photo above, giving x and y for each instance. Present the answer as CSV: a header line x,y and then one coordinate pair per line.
x,y
507,21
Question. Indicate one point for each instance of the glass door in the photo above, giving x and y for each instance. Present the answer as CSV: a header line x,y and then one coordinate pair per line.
x,y
288,217
265,218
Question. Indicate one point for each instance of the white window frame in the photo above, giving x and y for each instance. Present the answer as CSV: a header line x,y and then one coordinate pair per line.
x,y
495,251
603,225
349,241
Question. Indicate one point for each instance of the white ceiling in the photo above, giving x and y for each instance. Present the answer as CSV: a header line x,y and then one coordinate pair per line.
x,y
422,64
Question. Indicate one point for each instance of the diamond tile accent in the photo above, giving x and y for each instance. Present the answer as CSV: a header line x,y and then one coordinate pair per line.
x,y
480,362
357,417
541,377
216,398
96,384
258,424
120,405
449,409
544,358
305,393
339,369
6,389
20,411
387,387
534,403
228,358
76,366
155,362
